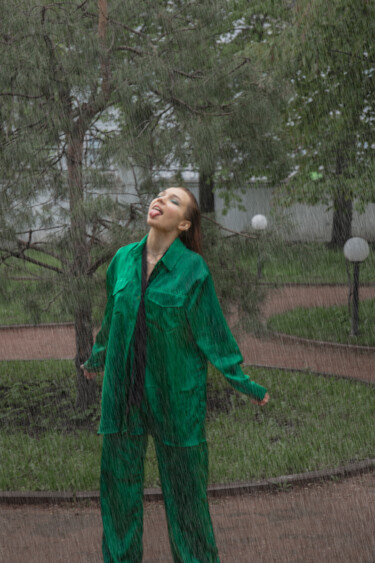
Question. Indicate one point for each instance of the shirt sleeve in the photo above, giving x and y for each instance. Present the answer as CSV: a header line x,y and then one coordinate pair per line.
x,y
215,340
96,361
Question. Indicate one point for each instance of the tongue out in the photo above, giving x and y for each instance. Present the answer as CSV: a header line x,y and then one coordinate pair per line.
x,y
154,213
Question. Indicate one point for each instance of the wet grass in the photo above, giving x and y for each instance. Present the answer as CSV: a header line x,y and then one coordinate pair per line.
x,y
304,263
310,423
332,324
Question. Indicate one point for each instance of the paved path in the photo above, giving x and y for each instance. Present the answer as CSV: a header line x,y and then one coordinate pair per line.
x,y
330,522
59,341
326,523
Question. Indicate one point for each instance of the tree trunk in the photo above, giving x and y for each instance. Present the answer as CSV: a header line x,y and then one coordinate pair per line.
x,y
86,390
342,208
102,33
206,194
342,220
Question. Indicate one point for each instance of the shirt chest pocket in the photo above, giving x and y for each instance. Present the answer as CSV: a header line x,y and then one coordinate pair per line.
x,y
165,311
121,295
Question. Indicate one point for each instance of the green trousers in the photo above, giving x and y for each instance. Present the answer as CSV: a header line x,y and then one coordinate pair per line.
x,y
183,474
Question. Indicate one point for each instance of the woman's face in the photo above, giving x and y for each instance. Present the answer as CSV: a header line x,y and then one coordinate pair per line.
x,y
168,210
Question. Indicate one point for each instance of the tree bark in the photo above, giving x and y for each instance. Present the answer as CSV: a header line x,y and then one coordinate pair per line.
x,y
102,33
86,390
206,194
342,220
342,209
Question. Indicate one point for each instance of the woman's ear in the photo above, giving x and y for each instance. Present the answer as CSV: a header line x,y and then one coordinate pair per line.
x,y
184,225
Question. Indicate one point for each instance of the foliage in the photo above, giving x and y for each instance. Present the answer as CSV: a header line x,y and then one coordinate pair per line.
x,y
163,88
330,115
310,423
236,285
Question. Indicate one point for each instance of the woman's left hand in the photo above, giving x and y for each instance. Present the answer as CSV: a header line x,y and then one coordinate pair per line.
x,y
263,401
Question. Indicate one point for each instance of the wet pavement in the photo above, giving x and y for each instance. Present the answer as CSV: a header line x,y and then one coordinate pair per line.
x,y
319,523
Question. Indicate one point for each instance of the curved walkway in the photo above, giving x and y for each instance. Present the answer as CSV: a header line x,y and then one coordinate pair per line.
x,y
347,361
321,522
58,341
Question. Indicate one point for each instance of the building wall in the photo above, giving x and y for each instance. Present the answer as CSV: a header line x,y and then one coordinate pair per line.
x,y
297,223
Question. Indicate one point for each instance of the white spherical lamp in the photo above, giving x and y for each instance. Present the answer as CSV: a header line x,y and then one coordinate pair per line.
x,y
356,249
259,222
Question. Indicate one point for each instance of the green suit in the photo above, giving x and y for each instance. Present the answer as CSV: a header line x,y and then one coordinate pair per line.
x,y
185,329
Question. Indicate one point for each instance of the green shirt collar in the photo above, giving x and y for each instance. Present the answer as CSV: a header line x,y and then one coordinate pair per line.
x,y
170,257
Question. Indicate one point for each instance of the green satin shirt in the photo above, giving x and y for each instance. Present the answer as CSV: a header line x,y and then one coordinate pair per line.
x,y
185,329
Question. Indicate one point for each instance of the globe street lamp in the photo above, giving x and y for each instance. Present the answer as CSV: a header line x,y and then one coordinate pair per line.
x,y
259,223
356,250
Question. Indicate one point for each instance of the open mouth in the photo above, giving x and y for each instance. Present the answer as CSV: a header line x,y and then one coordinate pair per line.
x,y
155,211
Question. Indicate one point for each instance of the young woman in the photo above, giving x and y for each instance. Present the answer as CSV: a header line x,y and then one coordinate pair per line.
x,y
162,323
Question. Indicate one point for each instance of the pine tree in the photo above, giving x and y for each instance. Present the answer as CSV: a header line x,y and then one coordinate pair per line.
x,y
87,84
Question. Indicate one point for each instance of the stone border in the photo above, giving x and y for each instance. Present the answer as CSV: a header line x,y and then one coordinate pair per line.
x,y
41,325
320,343
313,372
278,284
273,484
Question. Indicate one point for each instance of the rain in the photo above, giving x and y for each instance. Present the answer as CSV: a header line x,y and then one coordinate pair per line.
x,y
187,289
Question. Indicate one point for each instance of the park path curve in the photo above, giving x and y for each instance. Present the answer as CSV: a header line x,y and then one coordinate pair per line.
x,y
58,341
347,361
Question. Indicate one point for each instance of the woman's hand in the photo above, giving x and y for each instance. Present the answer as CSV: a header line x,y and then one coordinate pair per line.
x,y
88,374
263,401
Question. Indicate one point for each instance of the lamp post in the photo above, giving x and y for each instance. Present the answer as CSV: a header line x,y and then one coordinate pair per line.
x,y
356,251
259,223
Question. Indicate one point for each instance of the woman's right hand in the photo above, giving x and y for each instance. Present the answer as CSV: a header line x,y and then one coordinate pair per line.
x,y
88,374
264,401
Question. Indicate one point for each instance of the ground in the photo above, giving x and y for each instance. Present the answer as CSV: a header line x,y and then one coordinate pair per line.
x,y
332,521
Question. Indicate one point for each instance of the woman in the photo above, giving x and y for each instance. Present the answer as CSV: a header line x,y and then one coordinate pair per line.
x,y
162,323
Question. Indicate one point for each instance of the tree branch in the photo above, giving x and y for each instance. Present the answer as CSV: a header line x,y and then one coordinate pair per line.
x,y
45,309
104,61
196,75
19,95
21,256
197,111
35,246
115,22
363,58
102,260
130,49
244,235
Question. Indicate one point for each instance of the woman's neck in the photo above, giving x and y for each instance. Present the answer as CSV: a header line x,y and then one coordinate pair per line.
x,y
158,242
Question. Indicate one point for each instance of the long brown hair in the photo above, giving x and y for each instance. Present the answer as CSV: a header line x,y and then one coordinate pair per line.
x,y
192,238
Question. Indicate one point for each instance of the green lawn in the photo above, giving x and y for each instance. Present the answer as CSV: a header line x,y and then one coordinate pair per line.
x,y
331,324
310,423
304,263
